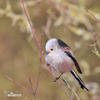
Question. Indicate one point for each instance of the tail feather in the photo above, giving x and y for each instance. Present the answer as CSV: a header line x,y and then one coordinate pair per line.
x,y
81,83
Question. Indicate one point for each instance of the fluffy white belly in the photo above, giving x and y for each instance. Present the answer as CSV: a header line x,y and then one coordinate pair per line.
x,y
60,61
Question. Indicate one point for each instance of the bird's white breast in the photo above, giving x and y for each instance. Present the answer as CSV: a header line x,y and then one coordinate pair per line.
x,y
58,59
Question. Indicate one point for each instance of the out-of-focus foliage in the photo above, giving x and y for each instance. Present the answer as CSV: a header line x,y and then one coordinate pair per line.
x,y
65,19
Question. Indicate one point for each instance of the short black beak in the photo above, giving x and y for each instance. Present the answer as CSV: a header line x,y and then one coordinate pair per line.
x,y
47,53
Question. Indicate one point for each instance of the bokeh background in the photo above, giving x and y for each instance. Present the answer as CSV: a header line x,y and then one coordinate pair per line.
x,y
68,20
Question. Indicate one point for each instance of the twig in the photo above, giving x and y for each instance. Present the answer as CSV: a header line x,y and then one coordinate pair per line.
x,y
31,26
46,28
73,91
38,78
37,42
31,86
91,14
58,82
18,84
39,45
30,81
93,45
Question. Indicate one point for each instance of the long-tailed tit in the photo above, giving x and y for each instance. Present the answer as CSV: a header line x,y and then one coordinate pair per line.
x,y
60,56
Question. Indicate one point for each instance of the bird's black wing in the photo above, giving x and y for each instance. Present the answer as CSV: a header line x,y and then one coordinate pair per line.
x,y
61,43
64,45
75,61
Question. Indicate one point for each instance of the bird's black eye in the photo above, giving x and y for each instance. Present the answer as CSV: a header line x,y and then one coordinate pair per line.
x,y
51,49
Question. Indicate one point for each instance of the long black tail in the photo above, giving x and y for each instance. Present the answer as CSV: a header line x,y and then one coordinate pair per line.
x,y
81,83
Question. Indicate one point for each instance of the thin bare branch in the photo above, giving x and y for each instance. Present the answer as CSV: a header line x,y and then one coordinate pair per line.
x,y
31,26
92,15
31,85
39,45
18,84
38,78
58,82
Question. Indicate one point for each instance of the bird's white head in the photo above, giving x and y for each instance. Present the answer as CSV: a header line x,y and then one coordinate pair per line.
x,y
51,45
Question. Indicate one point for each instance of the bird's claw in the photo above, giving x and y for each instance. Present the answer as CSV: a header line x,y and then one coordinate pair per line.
x,y
57,78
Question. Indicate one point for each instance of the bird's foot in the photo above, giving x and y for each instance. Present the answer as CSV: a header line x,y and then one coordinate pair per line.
x,y
57,78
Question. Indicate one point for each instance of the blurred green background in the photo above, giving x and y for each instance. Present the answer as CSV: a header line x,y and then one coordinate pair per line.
x,y
19,54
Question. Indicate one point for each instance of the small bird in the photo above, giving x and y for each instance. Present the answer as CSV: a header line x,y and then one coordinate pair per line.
x,y
60,56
